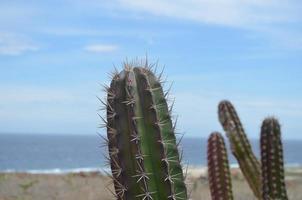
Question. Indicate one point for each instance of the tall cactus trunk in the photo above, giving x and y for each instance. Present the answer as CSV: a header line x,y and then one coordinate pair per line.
x,y
273,184
218,168
240,146
143,154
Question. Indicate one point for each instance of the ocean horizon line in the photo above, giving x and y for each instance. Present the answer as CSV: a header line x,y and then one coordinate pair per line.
x,y
186,136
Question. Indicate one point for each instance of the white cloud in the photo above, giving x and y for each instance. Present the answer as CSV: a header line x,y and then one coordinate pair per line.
x,y
13,14
71,31
46,109
275,20
287,38
13,44
28,94
101,48
196,120
223,12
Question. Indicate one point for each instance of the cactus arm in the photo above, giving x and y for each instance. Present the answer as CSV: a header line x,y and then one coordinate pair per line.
x,y
240,146
218,168
145,164
273,184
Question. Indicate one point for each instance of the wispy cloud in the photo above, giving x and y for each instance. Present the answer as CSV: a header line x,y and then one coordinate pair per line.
x,y
101,48
71,31
275,20
287,38
28,108
194,121
13,14
223,12
31,94
13,44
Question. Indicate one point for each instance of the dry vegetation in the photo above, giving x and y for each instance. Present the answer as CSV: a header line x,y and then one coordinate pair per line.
x,y
92,186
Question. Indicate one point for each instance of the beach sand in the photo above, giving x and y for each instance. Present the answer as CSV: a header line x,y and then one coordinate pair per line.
x,y
93,185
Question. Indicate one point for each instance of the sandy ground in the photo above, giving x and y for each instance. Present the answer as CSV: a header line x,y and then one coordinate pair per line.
x,y
93,186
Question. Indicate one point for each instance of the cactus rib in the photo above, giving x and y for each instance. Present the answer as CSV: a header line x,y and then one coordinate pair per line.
x,y
240,146
142,146
218,168
273,184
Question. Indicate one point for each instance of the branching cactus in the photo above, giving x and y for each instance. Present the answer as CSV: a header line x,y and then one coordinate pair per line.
x,y
240,146
273,184
143,152
218,168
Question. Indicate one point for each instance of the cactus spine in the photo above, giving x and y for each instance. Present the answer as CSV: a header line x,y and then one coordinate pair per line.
x,y
240,146
273,184
218,168
143,154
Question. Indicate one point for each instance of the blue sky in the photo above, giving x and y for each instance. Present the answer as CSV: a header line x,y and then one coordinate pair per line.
x,y
55,54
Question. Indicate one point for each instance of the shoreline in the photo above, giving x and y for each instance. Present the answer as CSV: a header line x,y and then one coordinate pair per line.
x,y
202,169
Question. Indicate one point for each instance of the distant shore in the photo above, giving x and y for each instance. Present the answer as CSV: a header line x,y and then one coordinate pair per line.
x,y
92,185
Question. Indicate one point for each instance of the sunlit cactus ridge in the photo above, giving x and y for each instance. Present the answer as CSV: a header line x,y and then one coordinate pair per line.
x,y
143,151
273,184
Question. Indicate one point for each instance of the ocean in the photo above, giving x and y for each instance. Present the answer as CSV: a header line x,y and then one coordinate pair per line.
x,y
71,153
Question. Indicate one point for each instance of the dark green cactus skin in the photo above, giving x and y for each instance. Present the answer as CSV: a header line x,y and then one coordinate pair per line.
x,y
143,154
240,146
273,184
218,168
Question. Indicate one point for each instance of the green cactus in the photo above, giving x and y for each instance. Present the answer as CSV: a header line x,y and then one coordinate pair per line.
x,y
273,184
218,168
143,153
240,146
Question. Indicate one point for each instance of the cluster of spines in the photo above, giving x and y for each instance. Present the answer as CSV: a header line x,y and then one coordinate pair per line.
x,y
273,184
218,168
240,146
142,146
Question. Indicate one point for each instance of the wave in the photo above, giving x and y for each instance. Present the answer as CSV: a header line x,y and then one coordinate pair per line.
x,y
58,170
107,170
